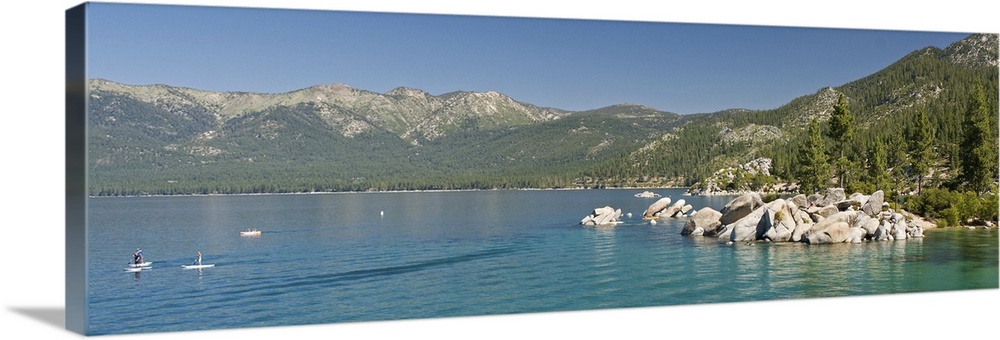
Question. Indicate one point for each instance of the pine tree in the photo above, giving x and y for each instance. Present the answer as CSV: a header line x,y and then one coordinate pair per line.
x,y
842,132
878,171
921,145
979,145
814,169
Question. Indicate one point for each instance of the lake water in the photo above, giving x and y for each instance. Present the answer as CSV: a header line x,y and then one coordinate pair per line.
x,y
331,258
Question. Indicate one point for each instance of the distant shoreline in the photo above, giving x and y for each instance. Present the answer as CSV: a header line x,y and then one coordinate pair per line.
x,y
386,192
920,219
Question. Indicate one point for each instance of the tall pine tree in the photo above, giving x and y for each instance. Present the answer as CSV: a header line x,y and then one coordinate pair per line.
x,y
814,169
979,145
878,172
921,145
896,160
842,133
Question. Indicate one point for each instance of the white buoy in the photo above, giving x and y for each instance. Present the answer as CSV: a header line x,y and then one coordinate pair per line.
x,y
652,221
629,215
381,213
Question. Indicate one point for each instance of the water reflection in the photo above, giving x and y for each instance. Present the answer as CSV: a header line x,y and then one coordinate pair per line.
x,y
604,247
794,270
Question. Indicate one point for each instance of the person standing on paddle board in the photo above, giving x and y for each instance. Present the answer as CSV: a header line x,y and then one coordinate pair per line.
x,y
137,256
198,260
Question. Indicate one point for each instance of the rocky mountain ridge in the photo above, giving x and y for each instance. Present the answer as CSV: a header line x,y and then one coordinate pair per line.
x,y
347,133
412,114
976,50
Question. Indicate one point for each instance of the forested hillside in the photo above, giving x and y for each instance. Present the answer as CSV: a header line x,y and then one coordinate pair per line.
x,y
159,139
883,108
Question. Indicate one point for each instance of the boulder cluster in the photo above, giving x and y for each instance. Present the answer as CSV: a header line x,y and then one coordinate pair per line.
x,y
663,208
602,216
647,194
820,218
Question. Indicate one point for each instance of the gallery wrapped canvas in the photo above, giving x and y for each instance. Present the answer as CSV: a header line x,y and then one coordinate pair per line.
x,y
241,167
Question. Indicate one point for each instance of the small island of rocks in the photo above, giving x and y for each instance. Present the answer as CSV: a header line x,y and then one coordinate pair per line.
x,y
603,216
819,218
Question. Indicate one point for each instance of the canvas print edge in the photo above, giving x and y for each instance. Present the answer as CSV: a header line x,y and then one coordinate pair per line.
x,y
75,174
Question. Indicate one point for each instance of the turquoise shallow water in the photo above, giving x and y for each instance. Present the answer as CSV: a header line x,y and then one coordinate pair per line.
x,y
334,258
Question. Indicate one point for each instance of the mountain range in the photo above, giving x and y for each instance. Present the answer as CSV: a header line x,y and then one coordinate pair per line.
x,y
160,139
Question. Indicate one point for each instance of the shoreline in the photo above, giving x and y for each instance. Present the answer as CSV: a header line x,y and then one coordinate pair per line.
x,y
385,192
925,223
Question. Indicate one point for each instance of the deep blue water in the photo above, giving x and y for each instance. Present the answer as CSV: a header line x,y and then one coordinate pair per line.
x,y
333,258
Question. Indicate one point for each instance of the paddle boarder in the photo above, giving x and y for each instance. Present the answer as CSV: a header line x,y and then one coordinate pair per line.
x,y
198,260
137,256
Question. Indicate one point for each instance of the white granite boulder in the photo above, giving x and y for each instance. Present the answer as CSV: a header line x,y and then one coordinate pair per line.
x,y
674,209
656,207
874,204
602,216
740,207
701,221
836,232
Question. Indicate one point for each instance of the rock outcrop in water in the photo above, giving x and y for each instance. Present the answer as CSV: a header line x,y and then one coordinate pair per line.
x,y
663,209
704,222
656,208
602,216
647,194
740,207
831,217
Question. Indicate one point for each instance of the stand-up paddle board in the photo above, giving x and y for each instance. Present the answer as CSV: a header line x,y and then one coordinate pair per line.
x,y
198,266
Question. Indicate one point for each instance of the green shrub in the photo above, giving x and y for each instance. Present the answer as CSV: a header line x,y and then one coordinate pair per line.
x,y
968,205
953,207
931,202
760,182
859,186
990,204
988,210
950,217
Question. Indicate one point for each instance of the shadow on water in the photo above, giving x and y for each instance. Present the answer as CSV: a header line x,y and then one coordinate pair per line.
x,y
334,279
346,278
54,316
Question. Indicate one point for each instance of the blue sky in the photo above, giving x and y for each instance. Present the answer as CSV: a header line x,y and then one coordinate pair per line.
x,y
562,63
